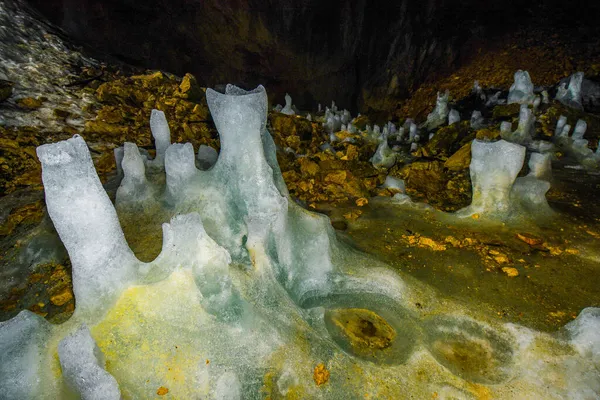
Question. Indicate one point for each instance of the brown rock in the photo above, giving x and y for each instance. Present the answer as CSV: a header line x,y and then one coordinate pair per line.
x,y
29,103
321,374
459,160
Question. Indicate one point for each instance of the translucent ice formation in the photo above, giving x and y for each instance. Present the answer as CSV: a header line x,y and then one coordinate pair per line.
x,y
287,109
162,136
453,117
439,115
571,95
477,120
251,295
103,264
525,129
494,168
521,90
384,157
82,364
530,191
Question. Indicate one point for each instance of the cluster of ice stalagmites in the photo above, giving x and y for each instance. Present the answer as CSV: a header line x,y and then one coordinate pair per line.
x,y
497,192
238,303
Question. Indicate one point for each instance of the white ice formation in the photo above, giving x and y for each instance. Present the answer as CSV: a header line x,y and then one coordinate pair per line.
x,y
238,303
477,121
287,109
521,90
453,117
439,115
494,168
525,129
570,95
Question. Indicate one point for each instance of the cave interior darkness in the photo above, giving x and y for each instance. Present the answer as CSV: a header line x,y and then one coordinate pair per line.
x,y
351,52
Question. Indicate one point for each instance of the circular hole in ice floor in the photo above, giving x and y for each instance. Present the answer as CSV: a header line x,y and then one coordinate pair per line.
x,y
471,350
369,326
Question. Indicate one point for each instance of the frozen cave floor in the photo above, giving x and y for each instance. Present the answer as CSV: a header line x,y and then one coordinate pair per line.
x,y
471,262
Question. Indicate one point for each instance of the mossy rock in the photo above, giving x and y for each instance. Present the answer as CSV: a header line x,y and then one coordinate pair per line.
x,y
448,140
6,89
432,183
506,111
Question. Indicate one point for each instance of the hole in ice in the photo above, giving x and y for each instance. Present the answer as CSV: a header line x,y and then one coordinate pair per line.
x,y
369,326
469,349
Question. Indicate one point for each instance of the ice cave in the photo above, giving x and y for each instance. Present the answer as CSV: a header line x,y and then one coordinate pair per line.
x,y
316,200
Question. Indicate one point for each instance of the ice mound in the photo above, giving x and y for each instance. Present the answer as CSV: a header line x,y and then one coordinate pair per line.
x,y
453,117
287,109
440,113
253,296
571,95
521,90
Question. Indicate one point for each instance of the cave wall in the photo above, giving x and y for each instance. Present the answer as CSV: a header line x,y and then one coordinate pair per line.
x,y
356,52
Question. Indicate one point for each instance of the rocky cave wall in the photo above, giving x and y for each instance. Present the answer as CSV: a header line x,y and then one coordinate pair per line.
x,y
355,52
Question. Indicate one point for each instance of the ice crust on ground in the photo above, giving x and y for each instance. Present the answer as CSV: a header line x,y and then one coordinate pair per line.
x,y
235,303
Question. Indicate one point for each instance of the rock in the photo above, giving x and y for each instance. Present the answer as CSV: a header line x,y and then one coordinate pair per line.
x,y
506,111
189,89
510,271
459,160
6,89
29,103
321,374
448,140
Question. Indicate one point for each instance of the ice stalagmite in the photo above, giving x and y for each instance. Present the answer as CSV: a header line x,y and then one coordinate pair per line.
x,y
134,186
494,168
440,113
521,90
162,136
87,223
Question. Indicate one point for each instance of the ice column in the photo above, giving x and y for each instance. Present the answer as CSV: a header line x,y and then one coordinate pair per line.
x,y
82,366
287,109
494,167
162,136
134,185
240,117
521,90
180,167
87,224
440,113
